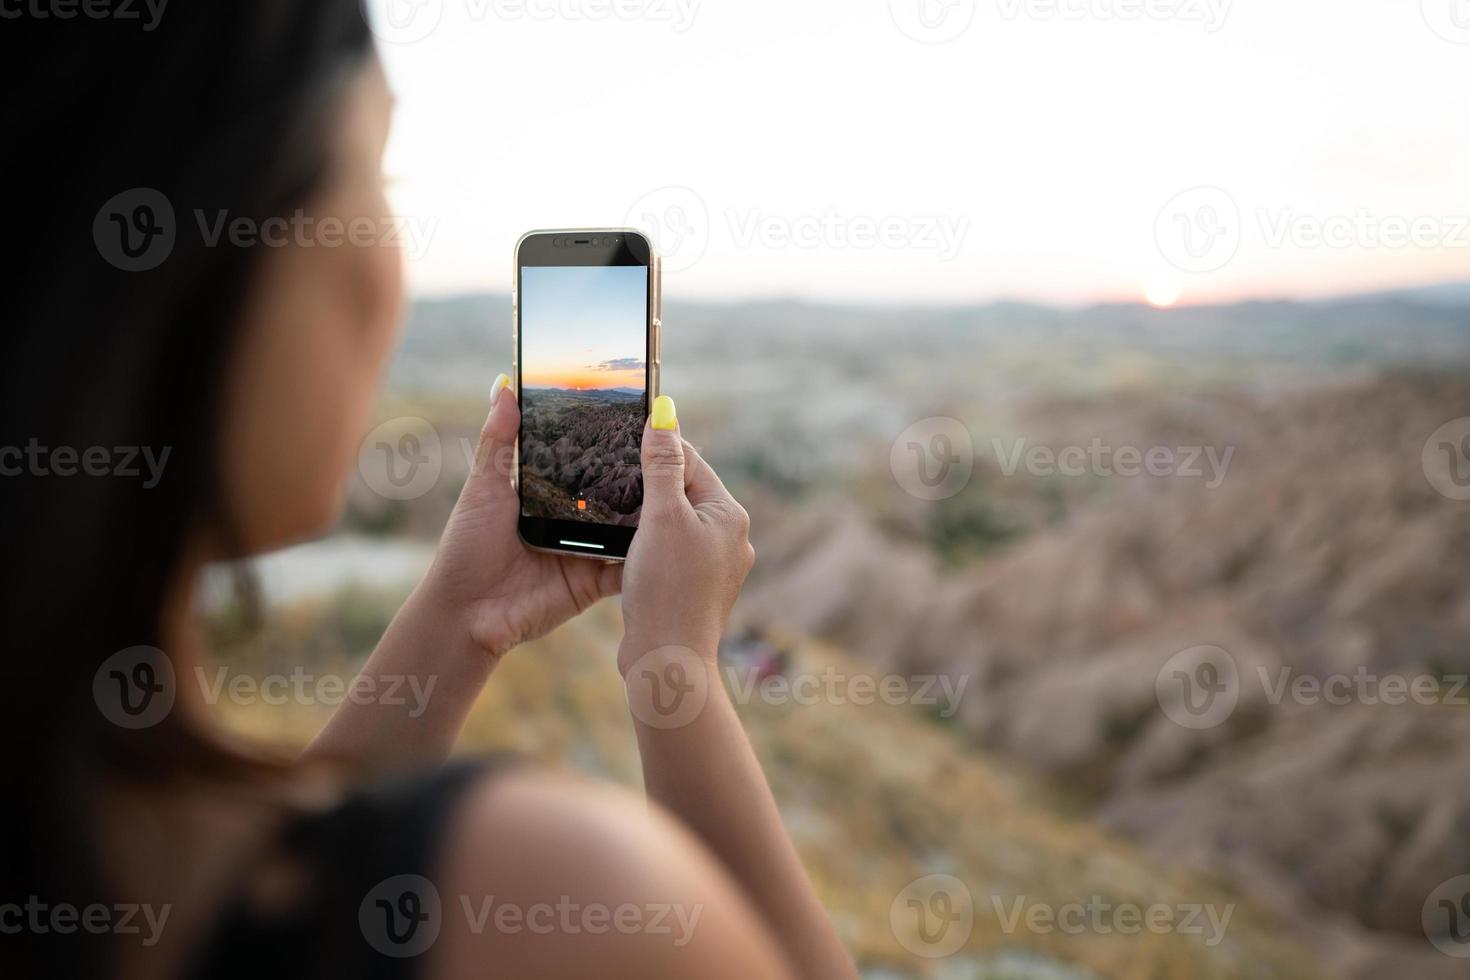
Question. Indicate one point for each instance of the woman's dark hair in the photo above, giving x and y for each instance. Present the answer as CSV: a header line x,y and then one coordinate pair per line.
x,y
108,124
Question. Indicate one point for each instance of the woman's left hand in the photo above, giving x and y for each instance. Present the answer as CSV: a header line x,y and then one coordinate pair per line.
x,y
483,571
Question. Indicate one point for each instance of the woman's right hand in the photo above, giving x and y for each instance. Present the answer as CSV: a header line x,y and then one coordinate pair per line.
x,y
691,552
683,574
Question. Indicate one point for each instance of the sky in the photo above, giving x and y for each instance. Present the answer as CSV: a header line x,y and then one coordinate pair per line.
x,y
942,151
583,327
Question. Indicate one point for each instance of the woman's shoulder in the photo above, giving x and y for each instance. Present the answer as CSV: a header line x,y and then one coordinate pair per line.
x,y
439,875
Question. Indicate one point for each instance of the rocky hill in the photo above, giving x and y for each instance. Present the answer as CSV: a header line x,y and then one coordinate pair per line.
x,y
874,795
1322,556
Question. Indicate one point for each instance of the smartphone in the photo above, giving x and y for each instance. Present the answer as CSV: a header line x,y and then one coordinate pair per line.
x,y
586,313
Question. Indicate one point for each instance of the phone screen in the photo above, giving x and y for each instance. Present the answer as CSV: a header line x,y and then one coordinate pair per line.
x,y
583,329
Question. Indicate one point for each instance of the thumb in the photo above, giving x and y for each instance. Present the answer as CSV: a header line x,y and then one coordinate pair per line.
x,y
663,458
490,475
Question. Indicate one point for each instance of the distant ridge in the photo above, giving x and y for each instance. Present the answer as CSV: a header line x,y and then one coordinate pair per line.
x,y
619,394
1453,293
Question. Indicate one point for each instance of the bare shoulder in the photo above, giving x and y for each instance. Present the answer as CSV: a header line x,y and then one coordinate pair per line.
x,y
543,875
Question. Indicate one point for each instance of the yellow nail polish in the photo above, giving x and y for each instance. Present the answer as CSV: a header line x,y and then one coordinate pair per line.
x,y
502,380
664,416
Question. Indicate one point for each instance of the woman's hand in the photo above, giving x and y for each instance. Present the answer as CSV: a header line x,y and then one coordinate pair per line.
x,y
483,574
685,568
691,553
484,593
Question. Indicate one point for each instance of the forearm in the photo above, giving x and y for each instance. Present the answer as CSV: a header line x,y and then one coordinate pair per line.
x,y
703,769
407,705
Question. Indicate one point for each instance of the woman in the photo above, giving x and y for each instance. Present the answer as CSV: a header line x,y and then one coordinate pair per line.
x,y
245,373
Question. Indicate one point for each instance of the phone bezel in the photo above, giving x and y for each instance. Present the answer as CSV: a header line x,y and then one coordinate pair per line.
x,y
561,247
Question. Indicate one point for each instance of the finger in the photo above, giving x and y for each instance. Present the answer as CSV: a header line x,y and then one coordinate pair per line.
x,y
490,477
701,483
610,578
662,458
707,493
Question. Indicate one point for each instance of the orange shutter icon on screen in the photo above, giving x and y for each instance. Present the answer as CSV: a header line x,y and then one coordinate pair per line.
x,y
581,503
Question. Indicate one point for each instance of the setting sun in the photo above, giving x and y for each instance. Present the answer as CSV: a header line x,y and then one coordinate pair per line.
x,y
1162,294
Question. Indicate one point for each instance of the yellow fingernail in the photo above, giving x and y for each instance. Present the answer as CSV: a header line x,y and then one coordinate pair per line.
x,y
664,416
502,381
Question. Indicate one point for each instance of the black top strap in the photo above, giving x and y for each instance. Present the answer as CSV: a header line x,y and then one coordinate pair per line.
x,y
362,903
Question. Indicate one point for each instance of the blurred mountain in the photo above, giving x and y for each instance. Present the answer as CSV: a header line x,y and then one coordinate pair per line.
x,y
590,395
456,346
1453,294
1310,542
1323,553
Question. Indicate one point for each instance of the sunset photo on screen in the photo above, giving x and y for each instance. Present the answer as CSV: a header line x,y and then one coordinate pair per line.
x,y
583,388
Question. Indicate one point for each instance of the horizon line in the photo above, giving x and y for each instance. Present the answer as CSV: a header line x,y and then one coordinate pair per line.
x,y
1386,292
